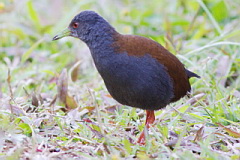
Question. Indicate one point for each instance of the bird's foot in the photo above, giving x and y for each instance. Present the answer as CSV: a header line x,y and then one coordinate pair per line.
x,y
141,139
150,118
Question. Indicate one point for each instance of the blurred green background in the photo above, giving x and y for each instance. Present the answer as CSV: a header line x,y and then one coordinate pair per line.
x,y
28,26
203,34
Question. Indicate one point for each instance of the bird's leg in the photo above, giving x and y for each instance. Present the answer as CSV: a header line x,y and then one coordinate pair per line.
x,y
150,118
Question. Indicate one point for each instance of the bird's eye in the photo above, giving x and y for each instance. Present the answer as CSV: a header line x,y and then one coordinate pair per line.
x,y
75,25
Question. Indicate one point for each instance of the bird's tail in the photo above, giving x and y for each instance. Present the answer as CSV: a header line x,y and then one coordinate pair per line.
x,y
191,74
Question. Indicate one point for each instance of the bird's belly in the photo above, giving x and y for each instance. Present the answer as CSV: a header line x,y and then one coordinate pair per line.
x,y
138,82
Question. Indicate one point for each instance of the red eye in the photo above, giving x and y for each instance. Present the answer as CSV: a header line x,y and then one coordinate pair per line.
x,y
75,25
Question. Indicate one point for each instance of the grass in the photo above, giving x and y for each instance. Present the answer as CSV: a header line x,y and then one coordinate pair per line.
x,y
54,105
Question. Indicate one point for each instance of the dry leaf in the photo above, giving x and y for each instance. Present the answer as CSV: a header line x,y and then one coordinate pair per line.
x,y
199,134
89,108
34,100
62,85
74,71
229,131
53,101
9,83
70,102
40,98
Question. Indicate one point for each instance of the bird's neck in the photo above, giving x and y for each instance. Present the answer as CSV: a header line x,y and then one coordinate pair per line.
x,y
102,50
101,42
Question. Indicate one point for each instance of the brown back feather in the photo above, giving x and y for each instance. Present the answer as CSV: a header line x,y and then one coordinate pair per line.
x,y
139,46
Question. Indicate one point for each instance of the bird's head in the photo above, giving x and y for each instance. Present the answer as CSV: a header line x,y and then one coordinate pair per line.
x,y
86,26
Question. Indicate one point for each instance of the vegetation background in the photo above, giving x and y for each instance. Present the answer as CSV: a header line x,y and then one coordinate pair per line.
x,y
54,105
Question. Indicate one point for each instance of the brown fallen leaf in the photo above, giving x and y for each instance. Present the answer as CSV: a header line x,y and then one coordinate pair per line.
x,y
74,71
64,97
70,103
40,98
53,101
62,85
9,83
34,100
89,108
199,134
230,131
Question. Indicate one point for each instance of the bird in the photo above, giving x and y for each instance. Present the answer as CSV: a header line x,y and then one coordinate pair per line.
x,y
137,71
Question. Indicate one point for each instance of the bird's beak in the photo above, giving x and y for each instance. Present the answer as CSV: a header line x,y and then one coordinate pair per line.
x,y
64,33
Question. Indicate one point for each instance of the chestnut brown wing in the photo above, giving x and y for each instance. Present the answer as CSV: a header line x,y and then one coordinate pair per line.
x,y
139,46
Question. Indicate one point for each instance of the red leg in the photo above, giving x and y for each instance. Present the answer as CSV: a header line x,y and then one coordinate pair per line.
x,y
150,118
